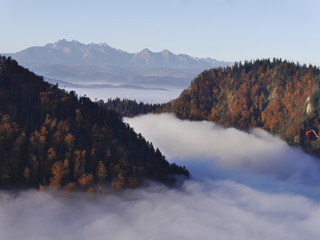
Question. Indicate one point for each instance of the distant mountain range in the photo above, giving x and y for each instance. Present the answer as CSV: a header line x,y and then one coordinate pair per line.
x,y
80,63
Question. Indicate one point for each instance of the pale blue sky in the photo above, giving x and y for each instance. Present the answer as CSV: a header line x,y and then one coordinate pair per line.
x,y
230,30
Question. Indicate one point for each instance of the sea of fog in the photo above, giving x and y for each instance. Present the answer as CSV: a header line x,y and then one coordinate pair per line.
x,y
244,185
144,95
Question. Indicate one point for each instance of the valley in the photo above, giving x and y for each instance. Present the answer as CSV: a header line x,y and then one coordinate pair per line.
x,y
160,120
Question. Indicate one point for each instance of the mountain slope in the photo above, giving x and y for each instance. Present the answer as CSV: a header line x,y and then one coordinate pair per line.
x,y
50,136
278,96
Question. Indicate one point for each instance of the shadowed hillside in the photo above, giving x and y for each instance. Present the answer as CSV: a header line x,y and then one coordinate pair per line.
x,y
51,137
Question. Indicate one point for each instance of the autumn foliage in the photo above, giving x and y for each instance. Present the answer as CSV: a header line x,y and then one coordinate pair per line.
x,y
278,96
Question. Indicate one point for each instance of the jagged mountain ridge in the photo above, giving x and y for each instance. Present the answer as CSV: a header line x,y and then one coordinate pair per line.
x,y
74,52
80,63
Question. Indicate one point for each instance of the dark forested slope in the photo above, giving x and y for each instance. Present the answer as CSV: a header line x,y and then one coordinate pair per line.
x,y
51,137
278,96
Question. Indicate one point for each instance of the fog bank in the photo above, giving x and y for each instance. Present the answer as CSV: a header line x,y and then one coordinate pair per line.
x,y
244,186
194,143
143,95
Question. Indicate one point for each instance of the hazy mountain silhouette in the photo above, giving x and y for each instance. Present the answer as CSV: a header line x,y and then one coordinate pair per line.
x,y
77,62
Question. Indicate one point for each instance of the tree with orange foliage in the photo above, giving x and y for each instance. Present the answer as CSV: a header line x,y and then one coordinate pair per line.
x,y
60,173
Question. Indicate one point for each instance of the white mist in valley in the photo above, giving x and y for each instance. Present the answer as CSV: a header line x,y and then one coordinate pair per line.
x,y
243,186
143,95
195,142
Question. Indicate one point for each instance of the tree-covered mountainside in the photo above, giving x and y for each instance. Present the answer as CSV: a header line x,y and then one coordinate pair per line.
x,y
278,96
129,108
51,137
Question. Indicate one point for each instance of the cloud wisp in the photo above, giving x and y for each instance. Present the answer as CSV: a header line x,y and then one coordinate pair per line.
x,y
245,186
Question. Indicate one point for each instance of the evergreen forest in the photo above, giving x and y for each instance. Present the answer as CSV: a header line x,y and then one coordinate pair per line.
x,y
53,138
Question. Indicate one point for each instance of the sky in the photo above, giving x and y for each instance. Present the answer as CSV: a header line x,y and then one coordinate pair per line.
x,y
243,186
230,30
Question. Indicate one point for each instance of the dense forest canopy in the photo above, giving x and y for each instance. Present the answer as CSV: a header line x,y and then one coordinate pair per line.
x,y
129,108
279,96
51,137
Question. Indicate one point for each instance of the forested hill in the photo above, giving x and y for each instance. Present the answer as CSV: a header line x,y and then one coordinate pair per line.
x,y
278,96
51,137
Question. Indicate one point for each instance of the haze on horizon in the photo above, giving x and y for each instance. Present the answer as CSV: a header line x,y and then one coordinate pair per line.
x,y
229,30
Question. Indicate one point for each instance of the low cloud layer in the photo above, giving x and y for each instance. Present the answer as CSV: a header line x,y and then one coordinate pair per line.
x,y
207,210
147,96
245,186
256,151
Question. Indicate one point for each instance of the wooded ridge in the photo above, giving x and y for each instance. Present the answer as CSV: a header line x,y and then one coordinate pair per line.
x,y
279,96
